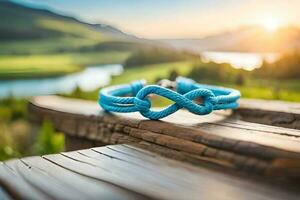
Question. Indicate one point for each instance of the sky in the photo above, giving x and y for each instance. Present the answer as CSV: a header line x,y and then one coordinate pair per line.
x,y
178,18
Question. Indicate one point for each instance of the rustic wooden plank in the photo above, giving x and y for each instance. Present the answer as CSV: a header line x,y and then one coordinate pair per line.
x,y
36,179
204,131
77,183
217,138
75,143
128,172
271,105
4,195
276,113
138,156
104,168
19,189
144,170
53,182
60,106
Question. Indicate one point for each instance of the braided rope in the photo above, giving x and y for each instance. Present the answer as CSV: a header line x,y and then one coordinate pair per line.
x,y
115,98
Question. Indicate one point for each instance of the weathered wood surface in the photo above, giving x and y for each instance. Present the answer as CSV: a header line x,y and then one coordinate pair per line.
x,y
275,113
125,172
4,195
217,139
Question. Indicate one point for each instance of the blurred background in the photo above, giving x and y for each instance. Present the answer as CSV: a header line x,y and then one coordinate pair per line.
x,y
73,48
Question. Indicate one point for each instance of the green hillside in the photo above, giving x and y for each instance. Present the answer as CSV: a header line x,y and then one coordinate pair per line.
x,y
34,23
39,43
25,30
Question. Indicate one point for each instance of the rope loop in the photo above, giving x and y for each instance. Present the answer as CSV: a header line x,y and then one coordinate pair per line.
x,y
142,105
136,86
213,98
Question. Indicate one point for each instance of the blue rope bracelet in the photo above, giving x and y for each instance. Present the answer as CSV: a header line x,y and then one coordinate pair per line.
x,y
116,99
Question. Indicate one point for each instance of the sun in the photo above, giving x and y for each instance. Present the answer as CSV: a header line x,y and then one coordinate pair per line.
x,y
271,24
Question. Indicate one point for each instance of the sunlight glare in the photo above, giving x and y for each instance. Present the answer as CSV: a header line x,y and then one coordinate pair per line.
x,y
271,24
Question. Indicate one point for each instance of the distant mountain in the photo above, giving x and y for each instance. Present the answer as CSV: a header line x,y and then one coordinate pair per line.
x,y
28,30
21,22
247,39
45,31
113,32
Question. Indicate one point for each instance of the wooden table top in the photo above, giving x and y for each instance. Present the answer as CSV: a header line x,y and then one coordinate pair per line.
x,y
253,153
125,172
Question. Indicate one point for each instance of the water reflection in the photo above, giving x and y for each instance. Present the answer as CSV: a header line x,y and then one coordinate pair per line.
x,y
248,61
89,79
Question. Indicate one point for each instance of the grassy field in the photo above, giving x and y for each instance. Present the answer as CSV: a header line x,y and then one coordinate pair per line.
x,y
13,66
39,43
43,46
152,72
288,90
19,138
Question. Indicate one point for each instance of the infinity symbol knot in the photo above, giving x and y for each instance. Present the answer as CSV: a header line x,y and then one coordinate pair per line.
x,y
143,105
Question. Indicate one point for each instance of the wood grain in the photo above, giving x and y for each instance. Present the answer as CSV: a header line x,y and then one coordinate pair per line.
x,y
275,113
218,138
4,195
126,172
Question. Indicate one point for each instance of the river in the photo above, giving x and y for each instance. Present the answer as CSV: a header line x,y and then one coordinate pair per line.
x,y
248,61
93,77
89,79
